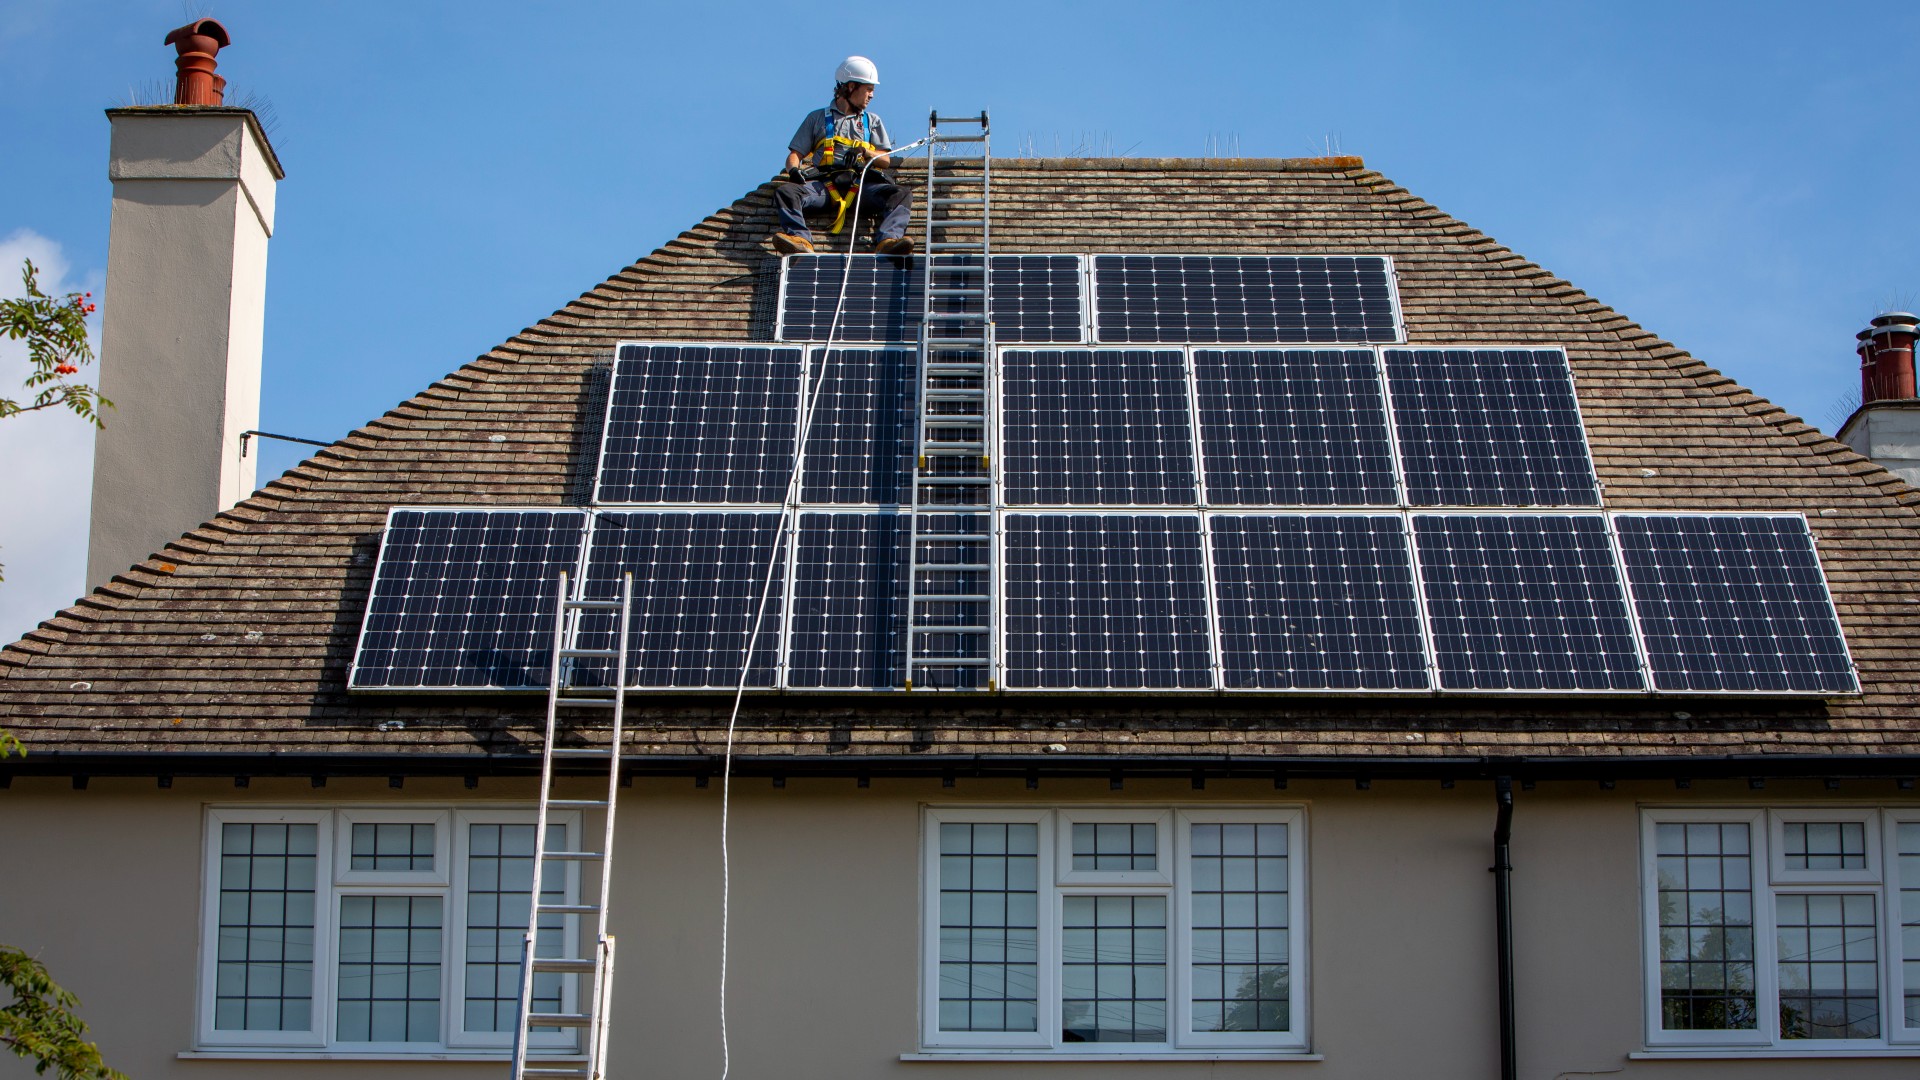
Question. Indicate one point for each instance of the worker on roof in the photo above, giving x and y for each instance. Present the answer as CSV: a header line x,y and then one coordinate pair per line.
x,y
824,163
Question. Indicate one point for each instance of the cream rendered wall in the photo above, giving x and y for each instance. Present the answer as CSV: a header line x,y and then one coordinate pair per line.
x,y
105,883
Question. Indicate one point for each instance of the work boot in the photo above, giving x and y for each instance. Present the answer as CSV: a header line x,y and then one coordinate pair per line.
x,y
898,246
789,244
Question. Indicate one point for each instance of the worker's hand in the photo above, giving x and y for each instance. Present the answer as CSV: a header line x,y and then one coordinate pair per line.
x,y
801,174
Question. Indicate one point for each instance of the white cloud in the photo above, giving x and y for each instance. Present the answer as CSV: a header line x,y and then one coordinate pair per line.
x,y
47,473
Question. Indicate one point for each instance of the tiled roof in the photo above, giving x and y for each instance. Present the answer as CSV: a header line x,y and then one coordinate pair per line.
x,y
237,638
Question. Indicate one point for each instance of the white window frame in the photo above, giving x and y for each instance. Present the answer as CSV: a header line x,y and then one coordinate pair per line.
x,y
1770,881
1057,881
333,882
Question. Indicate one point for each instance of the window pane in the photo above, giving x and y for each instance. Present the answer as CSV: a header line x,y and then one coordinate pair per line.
x,y
1907,865
1240,946
500,886
389,973
1829,967
402,846
1113,972
989,927
1825,845
263,973
1114,846
1706,927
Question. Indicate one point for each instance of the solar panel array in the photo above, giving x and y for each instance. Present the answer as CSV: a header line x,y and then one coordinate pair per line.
x,y
1253,489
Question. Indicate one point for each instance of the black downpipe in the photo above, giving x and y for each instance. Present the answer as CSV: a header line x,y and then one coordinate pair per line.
x,y
1503,918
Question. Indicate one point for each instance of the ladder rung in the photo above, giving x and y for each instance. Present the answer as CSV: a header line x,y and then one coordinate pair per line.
x,y
569,909
982,137
586,702
955,246
538,1020
562,963
582,751
955,421
553,1070
955,598
577,856
953,449
954,538
577,804
951,629
952,566
955,316
593,605
956,292
935,118
605,654
973,178
964,480
951,661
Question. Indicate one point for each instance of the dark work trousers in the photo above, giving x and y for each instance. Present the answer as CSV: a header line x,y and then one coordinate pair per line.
x,y
890,203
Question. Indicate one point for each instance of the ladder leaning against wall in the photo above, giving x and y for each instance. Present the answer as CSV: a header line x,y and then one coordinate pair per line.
x,y
950,594
585,983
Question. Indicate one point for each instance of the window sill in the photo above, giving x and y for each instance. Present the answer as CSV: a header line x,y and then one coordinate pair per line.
x,y
1110,1057
266,1053
1727,1053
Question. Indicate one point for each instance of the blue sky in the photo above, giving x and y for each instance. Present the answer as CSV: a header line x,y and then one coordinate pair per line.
x,y
1735,177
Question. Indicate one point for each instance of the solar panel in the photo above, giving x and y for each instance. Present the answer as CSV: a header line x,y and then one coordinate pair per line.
x,y
700,423
1244,299
697,582
1105,601
1293,427
1734,603
1036,298
860,441
883,299
465,599
849,602
1094,427
1525,602
1316,602
1489,427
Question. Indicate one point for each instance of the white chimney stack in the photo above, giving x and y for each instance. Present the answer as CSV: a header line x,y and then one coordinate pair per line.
x,y
180,344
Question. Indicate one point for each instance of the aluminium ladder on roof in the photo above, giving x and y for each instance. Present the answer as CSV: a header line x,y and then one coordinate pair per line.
x,y
950,595
591,977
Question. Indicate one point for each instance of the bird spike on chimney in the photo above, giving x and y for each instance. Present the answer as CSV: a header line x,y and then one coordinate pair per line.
x,y
198,43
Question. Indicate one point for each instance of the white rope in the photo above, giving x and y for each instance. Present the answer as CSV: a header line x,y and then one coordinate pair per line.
x,y
788,510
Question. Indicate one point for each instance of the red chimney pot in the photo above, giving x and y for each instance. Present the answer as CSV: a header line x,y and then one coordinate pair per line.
x,y
1886,357
198,43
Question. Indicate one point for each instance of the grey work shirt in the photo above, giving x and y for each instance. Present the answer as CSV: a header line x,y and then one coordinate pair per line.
x,y
815,127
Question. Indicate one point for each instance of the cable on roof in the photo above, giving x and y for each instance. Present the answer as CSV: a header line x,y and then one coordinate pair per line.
x,y
789,510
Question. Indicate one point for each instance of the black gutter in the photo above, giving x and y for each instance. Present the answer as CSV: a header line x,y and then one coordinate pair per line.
x,y
1503,920
1901,768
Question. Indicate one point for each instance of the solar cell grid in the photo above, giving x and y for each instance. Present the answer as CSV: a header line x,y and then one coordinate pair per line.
x,y
1525,602
1734,603
1036,298
465,598
1097,427
1316,602
1489,427
697,582
849,602
1243,299
1293,427
700,424
1105,601
860,440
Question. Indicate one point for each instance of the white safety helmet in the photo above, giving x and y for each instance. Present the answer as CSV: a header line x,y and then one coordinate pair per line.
x,y
857,69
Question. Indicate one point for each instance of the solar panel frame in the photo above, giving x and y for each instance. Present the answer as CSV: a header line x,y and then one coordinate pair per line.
x,y
540,592
1177,490
1005,614
1665,679
1102,332
842,477
751,564
1600,542
1419,658
1387,476
1406,459
866,321
771,486
892,640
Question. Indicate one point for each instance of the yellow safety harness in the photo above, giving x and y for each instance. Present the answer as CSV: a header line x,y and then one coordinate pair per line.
x,y
840,148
